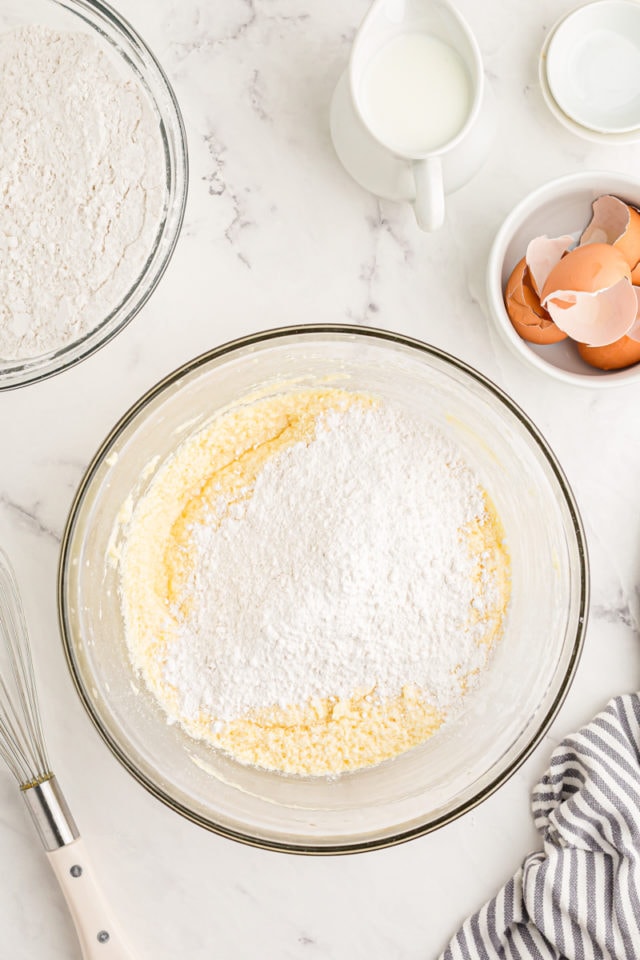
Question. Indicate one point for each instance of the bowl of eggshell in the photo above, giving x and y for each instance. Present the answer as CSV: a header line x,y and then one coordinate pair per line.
x,y
563,279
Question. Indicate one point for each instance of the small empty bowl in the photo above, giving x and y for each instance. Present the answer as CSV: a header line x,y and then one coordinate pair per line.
x,y
561,206
590,71
585,133
593,66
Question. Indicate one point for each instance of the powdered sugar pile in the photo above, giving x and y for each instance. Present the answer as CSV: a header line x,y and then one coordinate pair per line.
x,y
82,182
345,570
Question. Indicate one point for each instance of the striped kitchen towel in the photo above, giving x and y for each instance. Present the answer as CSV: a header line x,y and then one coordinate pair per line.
x,y
580,897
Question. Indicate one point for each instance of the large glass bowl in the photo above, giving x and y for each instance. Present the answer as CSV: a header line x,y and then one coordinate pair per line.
x,y
122,43
503,718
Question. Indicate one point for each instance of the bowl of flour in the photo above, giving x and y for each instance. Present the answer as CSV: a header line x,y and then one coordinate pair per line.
x,y
93,179
323,589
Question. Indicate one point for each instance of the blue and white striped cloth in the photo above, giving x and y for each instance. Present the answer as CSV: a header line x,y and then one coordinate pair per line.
x,y
580,897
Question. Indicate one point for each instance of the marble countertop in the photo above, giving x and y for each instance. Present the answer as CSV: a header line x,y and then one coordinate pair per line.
x,y
277,233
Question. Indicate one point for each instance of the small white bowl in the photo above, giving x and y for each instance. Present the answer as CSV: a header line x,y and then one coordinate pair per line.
x,y
594,136
558,207
593,66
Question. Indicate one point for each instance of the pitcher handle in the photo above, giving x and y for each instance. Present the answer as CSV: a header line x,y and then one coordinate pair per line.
x,y
429,201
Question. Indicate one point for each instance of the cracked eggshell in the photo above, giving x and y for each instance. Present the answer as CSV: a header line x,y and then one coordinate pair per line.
x,y
595,318
617,223
590,268
543,253
530,320
613,356
634,332
589,294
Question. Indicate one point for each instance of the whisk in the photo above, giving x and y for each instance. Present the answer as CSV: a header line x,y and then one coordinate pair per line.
x,y
23,748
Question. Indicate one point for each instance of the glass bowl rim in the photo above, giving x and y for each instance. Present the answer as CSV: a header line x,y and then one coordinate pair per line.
x,y
30,370
262,338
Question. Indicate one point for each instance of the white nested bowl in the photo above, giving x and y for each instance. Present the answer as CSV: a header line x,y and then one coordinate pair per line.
x,y
592,63
558,207
503,718
569,123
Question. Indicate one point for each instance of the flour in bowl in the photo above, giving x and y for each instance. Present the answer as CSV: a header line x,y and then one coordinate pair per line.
x,y
313,581
82,182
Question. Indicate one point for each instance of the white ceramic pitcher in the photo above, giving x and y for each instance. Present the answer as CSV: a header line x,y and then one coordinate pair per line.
x,y
421,177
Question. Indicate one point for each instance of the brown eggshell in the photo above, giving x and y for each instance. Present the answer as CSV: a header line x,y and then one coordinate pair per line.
x,y
629,242
617,223
529,319
615,356
590,268
595,318
543,254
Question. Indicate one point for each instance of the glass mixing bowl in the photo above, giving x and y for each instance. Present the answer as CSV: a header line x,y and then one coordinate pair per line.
x,y
122,43
503,718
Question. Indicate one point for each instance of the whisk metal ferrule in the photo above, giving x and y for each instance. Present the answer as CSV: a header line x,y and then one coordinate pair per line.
x,y
50,813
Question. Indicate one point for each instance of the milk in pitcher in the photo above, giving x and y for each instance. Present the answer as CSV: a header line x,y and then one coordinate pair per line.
x,y
415,93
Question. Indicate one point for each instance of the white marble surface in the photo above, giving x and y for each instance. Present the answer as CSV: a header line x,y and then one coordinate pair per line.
x,y
277,233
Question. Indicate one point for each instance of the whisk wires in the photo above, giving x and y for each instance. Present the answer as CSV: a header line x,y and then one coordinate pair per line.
x,y
22,745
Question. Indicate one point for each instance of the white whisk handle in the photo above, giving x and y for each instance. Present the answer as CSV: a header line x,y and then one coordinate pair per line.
x,y
97,932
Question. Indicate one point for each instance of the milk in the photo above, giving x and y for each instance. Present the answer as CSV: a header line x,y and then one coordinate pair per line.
x,y
415,93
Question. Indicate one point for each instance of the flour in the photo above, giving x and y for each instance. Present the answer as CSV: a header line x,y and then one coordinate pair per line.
x,y
347,568
82,181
